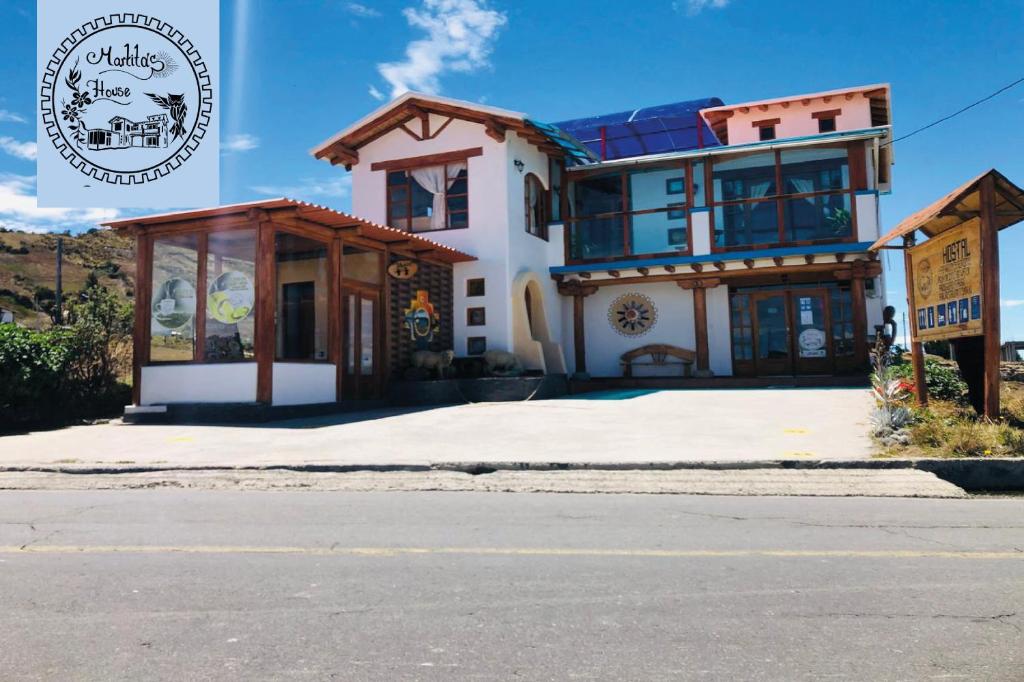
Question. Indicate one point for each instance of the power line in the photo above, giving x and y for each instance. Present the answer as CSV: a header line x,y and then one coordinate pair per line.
x,y
957,113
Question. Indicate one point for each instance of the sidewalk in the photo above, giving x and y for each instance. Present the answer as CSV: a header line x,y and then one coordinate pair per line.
x,y
609,428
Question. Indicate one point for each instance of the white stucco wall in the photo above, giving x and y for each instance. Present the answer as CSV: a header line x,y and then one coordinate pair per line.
x,y
233,382
719,331
487,234
796,120
301,383
605,345
867,217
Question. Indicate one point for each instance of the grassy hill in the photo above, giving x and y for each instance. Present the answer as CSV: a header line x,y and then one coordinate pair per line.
x,y
28,269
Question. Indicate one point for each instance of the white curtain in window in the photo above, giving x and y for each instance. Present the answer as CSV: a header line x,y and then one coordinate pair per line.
x,y
533,197
759,189
434,180
803,186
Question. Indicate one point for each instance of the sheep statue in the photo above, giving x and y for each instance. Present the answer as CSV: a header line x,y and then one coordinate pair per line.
x,y
501,363
426,361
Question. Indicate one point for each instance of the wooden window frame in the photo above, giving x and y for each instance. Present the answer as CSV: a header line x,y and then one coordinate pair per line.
x,y
408,199
483,283
858,181
540,230
626,213
483,316
470,340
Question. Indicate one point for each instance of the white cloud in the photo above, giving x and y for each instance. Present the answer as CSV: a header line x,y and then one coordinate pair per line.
x,y
11,117
22,150
460,38
361,10
309,188
19,210
693,7
242,142
1012,302
376,94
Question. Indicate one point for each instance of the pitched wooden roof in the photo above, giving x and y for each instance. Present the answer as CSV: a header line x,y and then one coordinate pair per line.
x,y
343,148
960,206
323,216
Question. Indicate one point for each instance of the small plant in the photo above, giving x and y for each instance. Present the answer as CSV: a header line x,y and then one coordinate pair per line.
x,y
892,414
943,381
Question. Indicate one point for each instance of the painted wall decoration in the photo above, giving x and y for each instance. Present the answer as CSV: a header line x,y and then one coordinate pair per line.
x,y
422,320
174,303
632,314
230,297
403,269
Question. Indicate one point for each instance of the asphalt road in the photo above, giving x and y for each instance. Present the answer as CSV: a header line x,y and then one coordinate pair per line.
x,y
184,585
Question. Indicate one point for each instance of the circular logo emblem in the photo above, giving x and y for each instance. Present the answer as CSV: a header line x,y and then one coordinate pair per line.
x,y
632,314
230,298
126,98
924,278
174,303
812,339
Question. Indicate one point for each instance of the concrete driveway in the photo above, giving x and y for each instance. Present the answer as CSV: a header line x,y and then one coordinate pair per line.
x,y
607,427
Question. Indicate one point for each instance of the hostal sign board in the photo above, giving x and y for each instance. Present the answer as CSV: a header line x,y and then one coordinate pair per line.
x,y
947,284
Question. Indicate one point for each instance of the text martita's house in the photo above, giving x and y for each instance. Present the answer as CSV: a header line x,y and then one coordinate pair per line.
x,y
730,239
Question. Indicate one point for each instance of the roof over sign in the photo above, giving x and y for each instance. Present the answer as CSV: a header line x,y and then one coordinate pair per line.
x,y
313,213
651,130
960,206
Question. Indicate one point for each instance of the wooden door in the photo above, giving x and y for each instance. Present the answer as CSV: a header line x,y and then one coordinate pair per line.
x,y
812,337
772,335
361,344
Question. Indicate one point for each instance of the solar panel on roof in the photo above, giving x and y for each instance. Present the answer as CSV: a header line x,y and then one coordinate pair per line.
x,y
652,130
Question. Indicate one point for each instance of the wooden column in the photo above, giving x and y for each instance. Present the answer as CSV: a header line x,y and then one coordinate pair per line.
x,y
916,348
990,293
202,252
700,328
578,292
858,296
334,312
700,319
266,304
143,295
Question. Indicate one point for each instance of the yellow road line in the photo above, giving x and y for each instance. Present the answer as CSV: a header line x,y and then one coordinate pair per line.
x,y
511,551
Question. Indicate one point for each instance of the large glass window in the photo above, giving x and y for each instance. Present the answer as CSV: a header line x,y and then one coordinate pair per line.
x,y
639,212
301,265
173,314
429,198
230,296
363,265
789,196
744,177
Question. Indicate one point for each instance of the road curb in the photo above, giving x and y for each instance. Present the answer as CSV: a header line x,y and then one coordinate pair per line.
x,y
972,474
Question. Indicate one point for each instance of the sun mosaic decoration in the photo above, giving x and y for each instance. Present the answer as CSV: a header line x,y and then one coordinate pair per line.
x,y
632,314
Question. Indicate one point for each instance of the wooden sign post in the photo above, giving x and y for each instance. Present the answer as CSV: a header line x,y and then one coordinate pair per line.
x,y
953,280
953,291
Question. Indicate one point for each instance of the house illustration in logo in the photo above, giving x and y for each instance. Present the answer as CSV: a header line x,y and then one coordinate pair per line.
x,y
124,133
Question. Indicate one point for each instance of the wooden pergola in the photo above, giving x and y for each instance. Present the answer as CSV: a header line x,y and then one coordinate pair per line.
x,y
994,203
267,219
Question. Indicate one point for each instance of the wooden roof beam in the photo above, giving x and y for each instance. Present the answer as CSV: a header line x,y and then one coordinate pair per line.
x,y
494,130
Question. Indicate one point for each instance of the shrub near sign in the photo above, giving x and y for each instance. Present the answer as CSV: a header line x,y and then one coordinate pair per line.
x,y
947,284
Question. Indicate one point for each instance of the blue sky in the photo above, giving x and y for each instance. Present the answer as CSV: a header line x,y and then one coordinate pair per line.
x,y
296,71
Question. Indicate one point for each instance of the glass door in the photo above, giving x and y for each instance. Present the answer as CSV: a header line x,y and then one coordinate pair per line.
x,y
772,337
813,346
360,350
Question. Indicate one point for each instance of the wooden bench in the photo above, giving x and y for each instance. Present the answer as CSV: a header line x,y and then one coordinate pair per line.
x,y
661,355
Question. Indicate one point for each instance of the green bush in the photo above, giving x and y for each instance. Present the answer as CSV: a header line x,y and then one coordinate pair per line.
x,y
67,373
943,381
